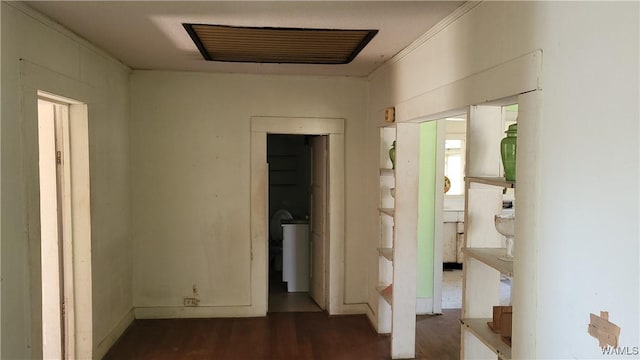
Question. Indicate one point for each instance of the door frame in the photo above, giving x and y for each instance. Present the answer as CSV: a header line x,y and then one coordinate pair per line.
x,y
322,302
37,80
334,244
55,227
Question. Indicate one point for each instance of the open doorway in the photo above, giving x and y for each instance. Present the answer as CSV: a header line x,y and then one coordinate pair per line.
x,y
291,253
66,100
55,245
453,233
453,210
64,231
327,269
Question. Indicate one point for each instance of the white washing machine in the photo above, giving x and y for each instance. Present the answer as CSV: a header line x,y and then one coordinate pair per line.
x,y
295,255
275,240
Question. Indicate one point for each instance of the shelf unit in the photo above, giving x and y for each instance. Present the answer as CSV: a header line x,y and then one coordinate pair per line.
x,y
392,299
387,172
387,253
386,292
492,180
386,215
479,328
491,257
484,246
387,211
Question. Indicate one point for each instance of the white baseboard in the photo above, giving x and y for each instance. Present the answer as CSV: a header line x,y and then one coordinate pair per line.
x,y
424,306
113,335
372,317
178,312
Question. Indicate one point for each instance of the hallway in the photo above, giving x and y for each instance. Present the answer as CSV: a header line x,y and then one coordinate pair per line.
x,y
312,335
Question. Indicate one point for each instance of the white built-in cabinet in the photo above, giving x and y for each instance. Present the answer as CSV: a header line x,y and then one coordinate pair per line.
x,y
483,269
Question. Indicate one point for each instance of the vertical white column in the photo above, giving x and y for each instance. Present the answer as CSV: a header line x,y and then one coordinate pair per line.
x,y
525,288
406,241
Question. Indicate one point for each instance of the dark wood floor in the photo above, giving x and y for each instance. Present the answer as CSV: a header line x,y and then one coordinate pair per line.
x,y
312,335
438,336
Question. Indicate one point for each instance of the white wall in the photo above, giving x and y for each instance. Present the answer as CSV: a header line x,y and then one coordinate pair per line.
x,y
26,35
584,192
191,187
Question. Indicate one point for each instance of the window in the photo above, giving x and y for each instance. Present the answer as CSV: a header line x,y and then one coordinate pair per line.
x,y
454,154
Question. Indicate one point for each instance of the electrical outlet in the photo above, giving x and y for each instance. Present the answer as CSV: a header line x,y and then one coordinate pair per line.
x,y
190,301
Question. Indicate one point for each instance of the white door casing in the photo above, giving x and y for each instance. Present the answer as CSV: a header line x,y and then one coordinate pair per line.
x,y
37,81
334,249
318,224
58,322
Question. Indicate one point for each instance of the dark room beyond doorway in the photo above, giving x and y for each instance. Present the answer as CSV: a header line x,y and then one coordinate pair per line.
x,y
289,158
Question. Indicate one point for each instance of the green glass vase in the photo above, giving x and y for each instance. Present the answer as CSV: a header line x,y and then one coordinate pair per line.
x,y
508,152
392,154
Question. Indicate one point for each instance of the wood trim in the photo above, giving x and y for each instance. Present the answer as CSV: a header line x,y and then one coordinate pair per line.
x,y
513,77
33,79
297,125
260,127
180,312
258,245
438,245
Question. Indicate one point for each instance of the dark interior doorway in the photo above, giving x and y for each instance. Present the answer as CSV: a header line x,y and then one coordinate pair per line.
x,y
289,158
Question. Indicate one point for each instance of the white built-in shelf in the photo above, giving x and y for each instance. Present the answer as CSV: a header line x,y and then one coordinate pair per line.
x,y
495,181
387,172
386,292
491,257
492,340
386,252
387,211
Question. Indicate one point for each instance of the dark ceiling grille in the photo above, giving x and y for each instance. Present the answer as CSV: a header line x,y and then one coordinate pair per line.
x,y
278,45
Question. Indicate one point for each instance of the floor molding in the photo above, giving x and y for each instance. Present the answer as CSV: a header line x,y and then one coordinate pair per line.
x,y
180,312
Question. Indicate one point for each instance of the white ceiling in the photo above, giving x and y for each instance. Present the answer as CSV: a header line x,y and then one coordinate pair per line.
x,y
149,34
